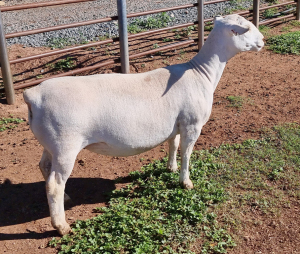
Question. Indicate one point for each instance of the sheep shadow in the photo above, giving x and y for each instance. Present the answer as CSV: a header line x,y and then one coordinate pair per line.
x,y
25,202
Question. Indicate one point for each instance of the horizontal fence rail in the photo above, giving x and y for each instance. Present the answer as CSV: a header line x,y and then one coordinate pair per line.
x,y
277,19
200,5
55,28
42,4
277,5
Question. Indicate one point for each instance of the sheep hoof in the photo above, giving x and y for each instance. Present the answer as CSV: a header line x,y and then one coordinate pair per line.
x,y
172,169
63,230
187,184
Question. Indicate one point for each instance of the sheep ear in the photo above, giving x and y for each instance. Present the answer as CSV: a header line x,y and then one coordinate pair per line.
x,y
238,29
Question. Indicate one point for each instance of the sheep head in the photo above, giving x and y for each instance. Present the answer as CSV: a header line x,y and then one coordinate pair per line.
x,y
238,33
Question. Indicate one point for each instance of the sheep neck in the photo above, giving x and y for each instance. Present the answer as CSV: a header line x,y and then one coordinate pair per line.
x,y
210,62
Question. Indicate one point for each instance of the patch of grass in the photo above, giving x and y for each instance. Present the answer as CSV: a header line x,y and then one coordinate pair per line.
x,y
177,36
167,39
286,29
286,43
237,5
209,26
59,43
64,64
269,13
185,32
264,30
236,101
295,23
166,62
154,214
9,123
228,11
259,173
159,21
271,2
103,38
155,46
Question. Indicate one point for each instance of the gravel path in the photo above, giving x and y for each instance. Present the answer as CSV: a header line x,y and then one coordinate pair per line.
x,y
23,20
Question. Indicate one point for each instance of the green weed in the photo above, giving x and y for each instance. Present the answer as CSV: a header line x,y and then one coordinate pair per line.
x,y
271,2
264,30
235,101
286,43
9,123
154,214
64,64
286,29
269,13
177,36
60,43
295,23
167,39
159,21
185,32
209,26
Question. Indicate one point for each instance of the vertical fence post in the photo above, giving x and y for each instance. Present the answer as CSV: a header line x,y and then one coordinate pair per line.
x,y
122,21
5,67
298,10
201,23
256,13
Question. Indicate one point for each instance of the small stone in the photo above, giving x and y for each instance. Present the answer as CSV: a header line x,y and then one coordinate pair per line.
x,y
81,162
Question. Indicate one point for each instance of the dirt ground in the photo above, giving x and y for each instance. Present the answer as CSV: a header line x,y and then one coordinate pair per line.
x,y
269,82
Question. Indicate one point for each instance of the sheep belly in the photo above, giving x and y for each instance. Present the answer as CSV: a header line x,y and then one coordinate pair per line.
x,y
116,150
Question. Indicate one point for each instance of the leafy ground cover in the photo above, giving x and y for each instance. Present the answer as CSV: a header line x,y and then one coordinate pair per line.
x,y
288,43
154,214
9,123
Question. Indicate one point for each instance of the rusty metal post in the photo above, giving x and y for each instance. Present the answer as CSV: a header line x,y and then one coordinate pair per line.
x,y
5,67
122,21
200,24
298,10
256,13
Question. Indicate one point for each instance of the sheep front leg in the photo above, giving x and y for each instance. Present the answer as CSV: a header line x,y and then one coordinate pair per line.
x,y
188,140
173,147
45,167
55,186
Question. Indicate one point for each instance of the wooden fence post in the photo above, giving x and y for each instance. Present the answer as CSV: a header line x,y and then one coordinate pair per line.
x,y
298,10
122,21
256,13
200,24
5,67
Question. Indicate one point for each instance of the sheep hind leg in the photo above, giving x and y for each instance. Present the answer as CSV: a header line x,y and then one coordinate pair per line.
x,y
173,147
45,167
61,169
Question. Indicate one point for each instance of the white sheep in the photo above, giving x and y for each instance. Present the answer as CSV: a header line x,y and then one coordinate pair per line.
x,y
123,115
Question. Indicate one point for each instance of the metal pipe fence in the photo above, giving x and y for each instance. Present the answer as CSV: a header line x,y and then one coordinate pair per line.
x,y
123,39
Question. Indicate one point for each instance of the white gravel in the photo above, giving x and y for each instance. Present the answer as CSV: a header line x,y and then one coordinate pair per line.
x,y
23,20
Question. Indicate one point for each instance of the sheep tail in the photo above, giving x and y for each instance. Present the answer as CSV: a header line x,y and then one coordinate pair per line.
x,y
31,98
